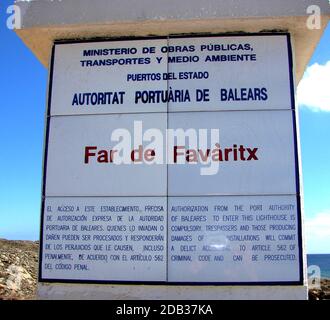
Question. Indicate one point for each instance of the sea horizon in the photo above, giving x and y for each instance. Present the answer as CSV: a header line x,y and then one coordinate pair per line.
x,y
322,260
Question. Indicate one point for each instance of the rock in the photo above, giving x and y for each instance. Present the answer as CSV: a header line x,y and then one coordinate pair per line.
x,y
313,295
18,269
16,275
322,292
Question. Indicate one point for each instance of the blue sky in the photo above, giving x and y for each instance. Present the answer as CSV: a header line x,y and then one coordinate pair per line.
x,y
23,82
23,87
314,120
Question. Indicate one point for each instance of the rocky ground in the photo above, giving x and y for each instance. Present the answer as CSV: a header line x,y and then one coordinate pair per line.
x,y
19,269
322,293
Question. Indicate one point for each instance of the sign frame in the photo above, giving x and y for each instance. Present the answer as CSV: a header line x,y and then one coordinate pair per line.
x,y
298,194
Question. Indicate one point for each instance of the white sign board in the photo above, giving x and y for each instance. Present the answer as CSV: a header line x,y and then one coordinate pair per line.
x,y
231,239
97,238
75,138
172,161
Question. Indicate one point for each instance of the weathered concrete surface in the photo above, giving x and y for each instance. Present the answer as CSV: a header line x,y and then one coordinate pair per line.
x,y
125,292
55,12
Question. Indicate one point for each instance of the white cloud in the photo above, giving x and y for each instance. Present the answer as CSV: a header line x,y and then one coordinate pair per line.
x,y
318,233
314,89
